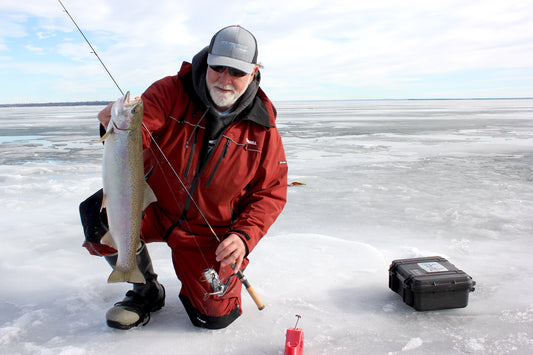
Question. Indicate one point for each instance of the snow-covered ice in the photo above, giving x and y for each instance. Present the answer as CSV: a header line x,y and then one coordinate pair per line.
x,y
384,180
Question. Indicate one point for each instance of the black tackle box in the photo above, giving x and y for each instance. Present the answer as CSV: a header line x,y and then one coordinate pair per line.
x,y
430,283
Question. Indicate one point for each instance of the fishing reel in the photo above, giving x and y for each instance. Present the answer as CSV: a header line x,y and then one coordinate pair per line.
x,y
219,287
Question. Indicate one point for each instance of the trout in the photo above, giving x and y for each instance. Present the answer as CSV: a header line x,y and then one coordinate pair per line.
x,y
126,193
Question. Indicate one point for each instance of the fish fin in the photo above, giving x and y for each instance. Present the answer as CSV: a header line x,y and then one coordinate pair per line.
x,y
107,239
107,134
134,276
102,206
149,195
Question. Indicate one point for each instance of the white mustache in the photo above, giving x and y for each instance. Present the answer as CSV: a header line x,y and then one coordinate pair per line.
x,y
225,87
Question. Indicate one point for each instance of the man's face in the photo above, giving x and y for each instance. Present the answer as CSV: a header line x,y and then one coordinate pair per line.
x,y
224,88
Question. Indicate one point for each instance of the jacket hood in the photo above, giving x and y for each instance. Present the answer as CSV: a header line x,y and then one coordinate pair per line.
x,y
214,120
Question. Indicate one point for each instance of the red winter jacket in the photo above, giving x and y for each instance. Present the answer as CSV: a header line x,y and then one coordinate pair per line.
x,y
240,188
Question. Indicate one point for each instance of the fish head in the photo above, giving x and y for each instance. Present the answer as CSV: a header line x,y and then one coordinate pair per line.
x,y
127,114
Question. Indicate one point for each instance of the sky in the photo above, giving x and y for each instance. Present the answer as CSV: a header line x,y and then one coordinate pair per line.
x,y
310,50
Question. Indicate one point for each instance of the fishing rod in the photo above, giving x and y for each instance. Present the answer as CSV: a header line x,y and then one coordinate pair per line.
x,y
210,274
92,49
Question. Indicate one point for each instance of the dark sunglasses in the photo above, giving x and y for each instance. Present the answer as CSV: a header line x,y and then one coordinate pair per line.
x,y
232,71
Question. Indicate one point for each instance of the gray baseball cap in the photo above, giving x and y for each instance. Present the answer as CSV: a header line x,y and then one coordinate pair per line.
x,y
235,47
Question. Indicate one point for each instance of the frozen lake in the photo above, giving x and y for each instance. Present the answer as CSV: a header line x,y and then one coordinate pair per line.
x,y
384,180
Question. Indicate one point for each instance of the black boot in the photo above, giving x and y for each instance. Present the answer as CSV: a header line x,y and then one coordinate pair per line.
x,y
135,308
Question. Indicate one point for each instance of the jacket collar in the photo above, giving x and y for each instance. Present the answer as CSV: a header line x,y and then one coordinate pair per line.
x,y
249,106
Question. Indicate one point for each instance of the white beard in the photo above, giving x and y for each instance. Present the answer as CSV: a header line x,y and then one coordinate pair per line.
x,y
226,99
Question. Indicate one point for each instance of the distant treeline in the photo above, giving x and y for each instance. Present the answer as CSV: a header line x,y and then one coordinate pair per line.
x,y
81,103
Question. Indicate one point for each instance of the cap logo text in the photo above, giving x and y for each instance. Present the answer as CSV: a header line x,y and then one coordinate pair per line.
x,y
239,46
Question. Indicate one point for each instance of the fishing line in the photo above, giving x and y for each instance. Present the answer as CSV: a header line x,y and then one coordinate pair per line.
x,y
145,128
239,273
93,50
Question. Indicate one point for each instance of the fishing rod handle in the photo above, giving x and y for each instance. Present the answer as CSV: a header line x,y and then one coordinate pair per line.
x,y
260,305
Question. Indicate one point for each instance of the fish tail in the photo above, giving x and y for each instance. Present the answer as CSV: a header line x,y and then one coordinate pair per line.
x,y
133,276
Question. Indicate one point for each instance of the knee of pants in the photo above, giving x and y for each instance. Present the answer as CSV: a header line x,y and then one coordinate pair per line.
x,y
202,320
95,226
93,217
191,256
98,249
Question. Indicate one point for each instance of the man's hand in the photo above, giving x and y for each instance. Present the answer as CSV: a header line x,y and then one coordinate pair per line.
x,y
231,250
104,116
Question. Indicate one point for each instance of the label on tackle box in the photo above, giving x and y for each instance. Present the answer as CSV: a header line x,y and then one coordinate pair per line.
x,y
432,267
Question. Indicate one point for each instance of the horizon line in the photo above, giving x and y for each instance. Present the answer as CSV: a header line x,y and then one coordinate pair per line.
x,y
104,102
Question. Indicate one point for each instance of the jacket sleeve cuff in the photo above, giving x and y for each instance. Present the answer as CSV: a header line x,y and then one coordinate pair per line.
x,y
244,237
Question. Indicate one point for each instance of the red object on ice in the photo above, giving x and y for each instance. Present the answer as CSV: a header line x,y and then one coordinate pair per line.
x,y
294,342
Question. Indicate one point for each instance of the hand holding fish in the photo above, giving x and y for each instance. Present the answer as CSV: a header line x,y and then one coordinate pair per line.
x,y
104,116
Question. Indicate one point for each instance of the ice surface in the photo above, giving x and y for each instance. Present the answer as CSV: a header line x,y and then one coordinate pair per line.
x,y
383,180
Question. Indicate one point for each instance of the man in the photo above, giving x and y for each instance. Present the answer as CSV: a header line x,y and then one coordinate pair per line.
x,y
214,127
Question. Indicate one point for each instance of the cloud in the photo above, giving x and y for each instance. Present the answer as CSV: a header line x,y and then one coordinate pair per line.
x,y
33,49
310,49
12,26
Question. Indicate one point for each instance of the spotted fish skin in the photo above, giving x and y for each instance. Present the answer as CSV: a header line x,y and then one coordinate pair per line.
x,y
126,192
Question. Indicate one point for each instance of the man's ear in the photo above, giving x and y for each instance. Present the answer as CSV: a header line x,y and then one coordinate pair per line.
x,y
252,76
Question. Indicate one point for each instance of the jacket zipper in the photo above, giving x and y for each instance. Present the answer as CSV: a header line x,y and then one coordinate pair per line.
x,y
194,141
222,156
194,136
